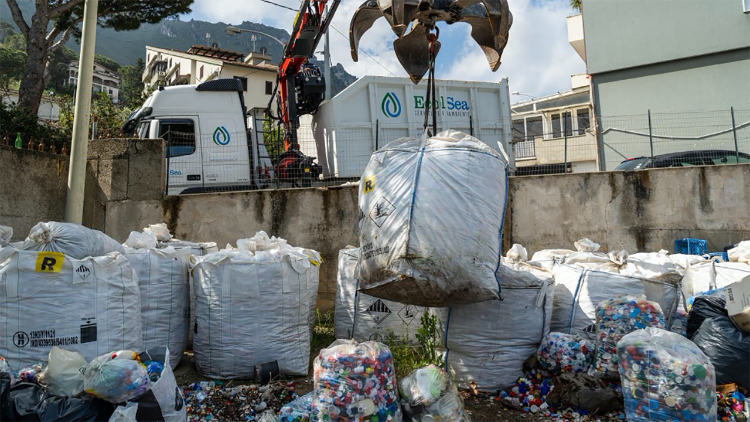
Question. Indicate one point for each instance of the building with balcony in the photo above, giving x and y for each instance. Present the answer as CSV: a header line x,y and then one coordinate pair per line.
x,y
104,80
167,67
554,134
689,58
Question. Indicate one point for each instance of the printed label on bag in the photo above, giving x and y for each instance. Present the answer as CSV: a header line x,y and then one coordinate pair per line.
x,y
368,184
381,211
49,262
368,251
42,338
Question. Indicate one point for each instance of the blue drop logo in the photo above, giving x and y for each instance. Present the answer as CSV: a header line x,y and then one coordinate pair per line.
x,y
391,106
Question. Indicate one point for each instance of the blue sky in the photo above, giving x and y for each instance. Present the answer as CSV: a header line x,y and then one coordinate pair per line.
x,y
537,61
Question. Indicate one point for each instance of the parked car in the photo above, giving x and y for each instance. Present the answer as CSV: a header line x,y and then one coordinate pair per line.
x,y
706,157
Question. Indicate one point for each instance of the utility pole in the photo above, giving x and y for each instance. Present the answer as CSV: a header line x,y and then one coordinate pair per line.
x,y
327,64
79,145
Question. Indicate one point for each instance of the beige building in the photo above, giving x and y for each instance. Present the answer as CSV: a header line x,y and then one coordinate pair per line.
x,y
543,127
167,67
104,80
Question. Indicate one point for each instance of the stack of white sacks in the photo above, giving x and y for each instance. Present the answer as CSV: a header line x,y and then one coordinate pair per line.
x,y
67,286
254,304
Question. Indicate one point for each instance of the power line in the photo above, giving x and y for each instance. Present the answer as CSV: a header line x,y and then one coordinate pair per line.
x,y
340,33
366,53
280,5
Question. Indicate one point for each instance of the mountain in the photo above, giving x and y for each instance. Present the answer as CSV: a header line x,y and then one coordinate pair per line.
x,y
125,47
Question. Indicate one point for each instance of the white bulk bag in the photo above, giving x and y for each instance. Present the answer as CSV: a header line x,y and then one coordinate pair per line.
x,y
546,258
741,253
710,275
652,265
683,261
431,219
254,308
487,342
165,297
364,317
74,240
6,233
579,290
90,306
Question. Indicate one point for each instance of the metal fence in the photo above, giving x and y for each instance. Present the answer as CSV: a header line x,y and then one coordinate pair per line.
x,y
648,140
225,160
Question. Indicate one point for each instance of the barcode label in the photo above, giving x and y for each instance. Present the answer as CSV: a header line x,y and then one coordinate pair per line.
x,y
88,333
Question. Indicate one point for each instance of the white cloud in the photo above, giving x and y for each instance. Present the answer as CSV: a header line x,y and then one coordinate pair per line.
x,y
538,59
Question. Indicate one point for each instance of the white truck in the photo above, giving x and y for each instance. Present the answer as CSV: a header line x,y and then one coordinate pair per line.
x,y
209,146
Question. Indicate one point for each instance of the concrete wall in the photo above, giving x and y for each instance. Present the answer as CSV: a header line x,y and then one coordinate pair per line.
x,y
324,219
636,211
33,188
622,34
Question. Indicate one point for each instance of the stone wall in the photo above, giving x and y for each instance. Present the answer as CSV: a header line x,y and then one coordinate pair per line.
x,y
33,188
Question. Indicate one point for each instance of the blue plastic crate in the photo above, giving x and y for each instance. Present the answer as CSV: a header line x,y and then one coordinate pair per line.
x,y
718,256
690,246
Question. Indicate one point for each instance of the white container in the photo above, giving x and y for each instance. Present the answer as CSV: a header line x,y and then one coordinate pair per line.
x,y
376,110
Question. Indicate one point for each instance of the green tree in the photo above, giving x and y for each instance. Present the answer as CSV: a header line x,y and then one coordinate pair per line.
x,y
107,62
11,65
131,87
65,15
576,4
109,117
6,29
15,41
58,74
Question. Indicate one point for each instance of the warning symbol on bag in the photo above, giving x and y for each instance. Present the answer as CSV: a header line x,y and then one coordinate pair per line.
x,y
20,339
83,271
378,311
381,210
409,313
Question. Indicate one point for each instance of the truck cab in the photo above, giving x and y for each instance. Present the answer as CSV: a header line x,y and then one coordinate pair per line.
x,y
207,144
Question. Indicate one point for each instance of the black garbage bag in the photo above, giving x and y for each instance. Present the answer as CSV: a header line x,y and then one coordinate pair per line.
x,y
28,402
728,347
704,307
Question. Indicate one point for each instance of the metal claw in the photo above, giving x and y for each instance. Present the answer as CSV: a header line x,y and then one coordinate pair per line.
x,y
490,22
413,51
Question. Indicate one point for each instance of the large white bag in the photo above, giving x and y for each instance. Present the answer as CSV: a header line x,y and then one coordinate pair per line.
x,y
74,240
165,392
578,290
47,299
6,233
165,297
254,307
363,317
431,219
709,275
487,342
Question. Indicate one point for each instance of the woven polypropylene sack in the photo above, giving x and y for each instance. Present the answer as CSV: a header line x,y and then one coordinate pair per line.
x,y
165,298
74,240
252,309
431,219
487,342
579,290
362,317
47,299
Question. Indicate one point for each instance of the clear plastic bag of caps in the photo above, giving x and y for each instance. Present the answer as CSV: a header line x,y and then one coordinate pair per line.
x,y
355,382
615,318
428,396
116,377
299,410
560,352
665,377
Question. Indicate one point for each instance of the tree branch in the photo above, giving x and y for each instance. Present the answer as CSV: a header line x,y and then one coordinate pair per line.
x,y
18,17
63,7
64,38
